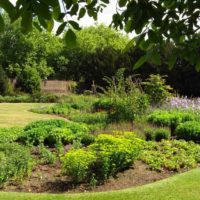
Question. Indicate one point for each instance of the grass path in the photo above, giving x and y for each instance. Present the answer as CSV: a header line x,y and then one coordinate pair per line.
x,y
184,186
18,114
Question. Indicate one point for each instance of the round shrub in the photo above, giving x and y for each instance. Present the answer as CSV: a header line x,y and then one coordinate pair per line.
x,y
188,131
156,134
76,164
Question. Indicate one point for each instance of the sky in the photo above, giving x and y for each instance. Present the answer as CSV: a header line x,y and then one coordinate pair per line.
x,y
105,17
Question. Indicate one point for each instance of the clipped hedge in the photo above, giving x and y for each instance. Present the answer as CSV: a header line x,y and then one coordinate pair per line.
x,y
188,131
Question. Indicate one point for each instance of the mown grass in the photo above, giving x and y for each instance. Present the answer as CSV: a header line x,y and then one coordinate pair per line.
x,y
185,186
18,114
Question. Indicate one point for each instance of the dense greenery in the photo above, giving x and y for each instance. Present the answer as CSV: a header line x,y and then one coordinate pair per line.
x,y
172,155
188,131
15,162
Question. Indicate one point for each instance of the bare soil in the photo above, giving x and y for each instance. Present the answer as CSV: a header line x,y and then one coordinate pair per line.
x,y
48,178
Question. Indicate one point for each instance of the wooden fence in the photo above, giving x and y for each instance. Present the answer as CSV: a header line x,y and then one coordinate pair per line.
x,y
56,86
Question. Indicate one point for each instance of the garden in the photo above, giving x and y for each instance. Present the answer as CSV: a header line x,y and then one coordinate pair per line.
x,y
99,99
131,134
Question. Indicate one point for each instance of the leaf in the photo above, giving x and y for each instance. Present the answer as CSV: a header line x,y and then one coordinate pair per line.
x,y
8,7
81,13
122,3
74,9
140,62
61,28
26,22
50,25
172,61
74,24
129,45
105,1
155,57
70,38
42,10
2,24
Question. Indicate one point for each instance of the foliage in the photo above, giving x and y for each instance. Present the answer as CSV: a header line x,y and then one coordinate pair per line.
x,y
126,101
105,157
76,164
15,162
8,135
171,118
27,98
154,23
59,109
188,131
29,80
3,82
46,156
172,155
156,134
157,90
53,132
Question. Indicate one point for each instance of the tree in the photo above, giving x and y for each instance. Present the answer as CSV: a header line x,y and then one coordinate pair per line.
x,y
154,21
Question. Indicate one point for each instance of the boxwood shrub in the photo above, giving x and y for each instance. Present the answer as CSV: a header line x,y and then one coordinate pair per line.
x,y
188,131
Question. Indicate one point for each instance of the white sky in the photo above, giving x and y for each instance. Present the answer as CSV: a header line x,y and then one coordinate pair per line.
x,y
105,17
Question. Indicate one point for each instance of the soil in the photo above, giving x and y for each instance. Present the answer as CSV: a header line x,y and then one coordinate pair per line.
x,y
48,178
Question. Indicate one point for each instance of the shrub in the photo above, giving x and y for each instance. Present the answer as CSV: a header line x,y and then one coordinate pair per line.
x,y
124,99
157,90
52,132
76,164
8,135
156,134
29,80
171,118
188,131
105,157
46,156
172,155
15,162
4,83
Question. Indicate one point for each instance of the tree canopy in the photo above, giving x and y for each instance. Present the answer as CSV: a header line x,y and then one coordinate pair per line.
x,y
155,22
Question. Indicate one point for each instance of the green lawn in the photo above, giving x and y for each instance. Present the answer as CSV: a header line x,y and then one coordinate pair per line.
x,y
18,114
185,186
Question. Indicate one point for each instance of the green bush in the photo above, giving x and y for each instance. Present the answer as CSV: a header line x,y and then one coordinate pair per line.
x,y
157,90
76,164
46,156
52,132
105,157
156,134
15,162
8,135
188,131
123,98
171,118
29,80
172,155
59,109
